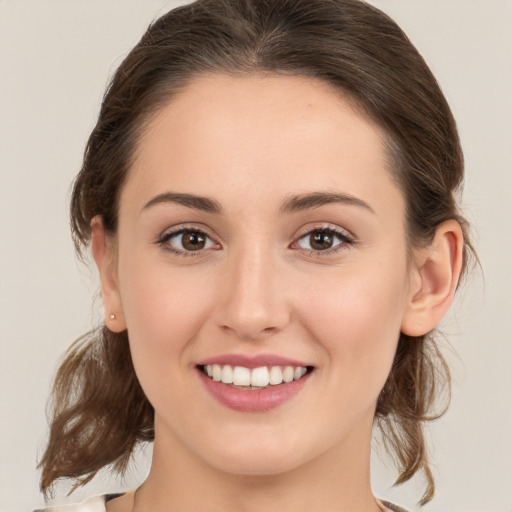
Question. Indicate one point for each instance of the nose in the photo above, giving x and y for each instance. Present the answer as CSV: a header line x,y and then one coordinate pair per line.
x,y
252,303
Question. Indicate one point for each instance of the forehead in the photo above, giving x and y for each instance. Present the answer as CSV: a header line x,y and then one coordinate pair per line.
x,y
259,135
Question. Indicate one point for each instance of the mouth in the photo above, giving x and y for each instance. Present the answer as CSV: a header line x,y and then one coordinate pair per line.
x,y
253,384
262,377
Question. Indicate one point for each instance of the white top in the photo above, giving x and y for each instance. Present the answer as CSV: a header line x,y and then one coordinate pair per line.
x,y
97,504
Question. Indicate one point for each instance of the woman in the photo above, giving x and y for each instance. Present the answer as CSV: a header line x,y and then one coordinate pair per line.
x,y
268,195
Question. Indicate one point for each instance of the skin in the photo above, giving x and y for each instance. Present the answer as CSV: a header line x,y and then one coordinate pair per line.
x,y
251,144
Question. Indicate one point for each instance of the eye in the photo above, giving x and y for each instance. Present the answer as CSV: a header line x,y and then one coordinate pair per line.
x,y
323,240
187,240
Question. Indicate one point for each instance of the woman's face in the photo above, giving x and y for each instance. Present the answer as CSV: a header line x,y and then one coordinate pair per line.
x,y
260,227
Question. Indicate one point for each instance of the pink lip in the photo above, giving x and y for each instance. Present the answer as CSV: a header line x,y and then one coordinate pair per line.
x,y
257,400
252,361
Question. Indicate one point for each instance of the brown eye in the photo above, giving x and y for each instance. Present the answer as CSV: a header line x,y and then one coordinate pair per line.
x,y
321,241
187,241
324,239
193,241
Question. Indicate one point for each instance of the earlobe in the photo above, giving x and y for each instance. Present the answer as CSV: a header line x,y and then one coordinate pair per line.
x,y
105,258
435,275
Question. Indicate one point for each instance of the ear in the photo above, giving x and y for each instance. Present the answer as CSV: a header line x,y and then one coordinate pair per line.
x,y
434,278
105,258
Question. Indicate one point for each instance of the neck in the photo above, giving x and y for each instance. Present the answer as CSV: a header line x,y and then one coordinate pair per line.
x,y
335,481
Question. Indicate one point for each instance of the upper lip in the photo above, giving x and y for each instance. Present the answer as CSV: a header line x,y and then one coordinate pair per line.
x,y
254,361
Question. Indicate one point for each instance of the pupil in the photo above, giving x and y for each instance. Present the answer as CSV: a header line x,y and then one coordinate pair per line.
x,y
193,241
321,241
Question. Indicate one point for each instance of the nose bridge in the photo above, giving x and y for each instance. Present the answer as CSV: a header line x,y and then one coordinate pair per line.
x,y
253,303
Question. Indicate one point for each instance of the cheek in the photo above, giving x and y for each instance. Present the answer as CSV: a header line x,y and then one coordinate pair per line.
x,y
164,309
355,318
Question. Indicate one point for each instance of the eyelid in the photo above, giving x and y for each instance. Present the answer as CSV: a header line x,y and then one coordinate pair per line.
x,y
319,226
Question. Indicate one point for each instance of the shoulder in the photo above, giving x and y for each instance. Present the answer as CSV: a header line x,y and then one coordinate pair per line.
x,y
95,504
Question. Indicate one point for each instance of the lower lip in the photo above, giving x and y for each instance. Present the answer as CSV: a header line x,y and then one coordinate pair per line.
x,y
256,400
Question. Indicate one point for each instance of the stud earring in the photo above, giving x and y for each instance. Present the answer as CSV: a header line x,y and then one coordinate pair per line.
x,y
112,316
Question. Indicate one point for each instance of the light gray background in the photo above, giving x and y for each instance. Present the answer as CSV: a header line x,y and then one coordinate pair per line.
x,y
55,58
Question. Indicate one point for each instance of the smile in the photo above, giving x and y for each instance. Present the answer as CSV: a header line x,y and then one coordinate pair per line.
x,y
253,384
253,378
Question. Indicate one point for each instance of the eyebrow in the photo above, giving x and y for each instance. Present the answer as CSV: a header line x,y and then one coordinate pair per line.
x,y
294,204
318,199
204,204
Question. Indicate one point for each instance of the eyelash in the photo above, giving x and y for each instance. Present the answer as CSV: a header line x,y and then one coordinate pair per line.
x,y
345,241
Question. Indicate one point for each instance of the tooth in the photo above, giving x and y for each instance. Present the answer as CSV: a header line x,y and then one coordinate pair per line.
x,y
227,374
288,374
276,375
216,372
260,377
241,376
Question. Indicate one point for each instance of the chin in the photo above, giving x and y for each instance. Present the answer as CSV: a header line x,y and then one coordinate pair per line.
x,y
260,457
261,464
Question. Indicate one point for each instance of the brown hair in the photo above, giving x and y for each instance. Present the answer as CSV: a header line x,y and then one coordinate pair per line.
x,y
99,411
